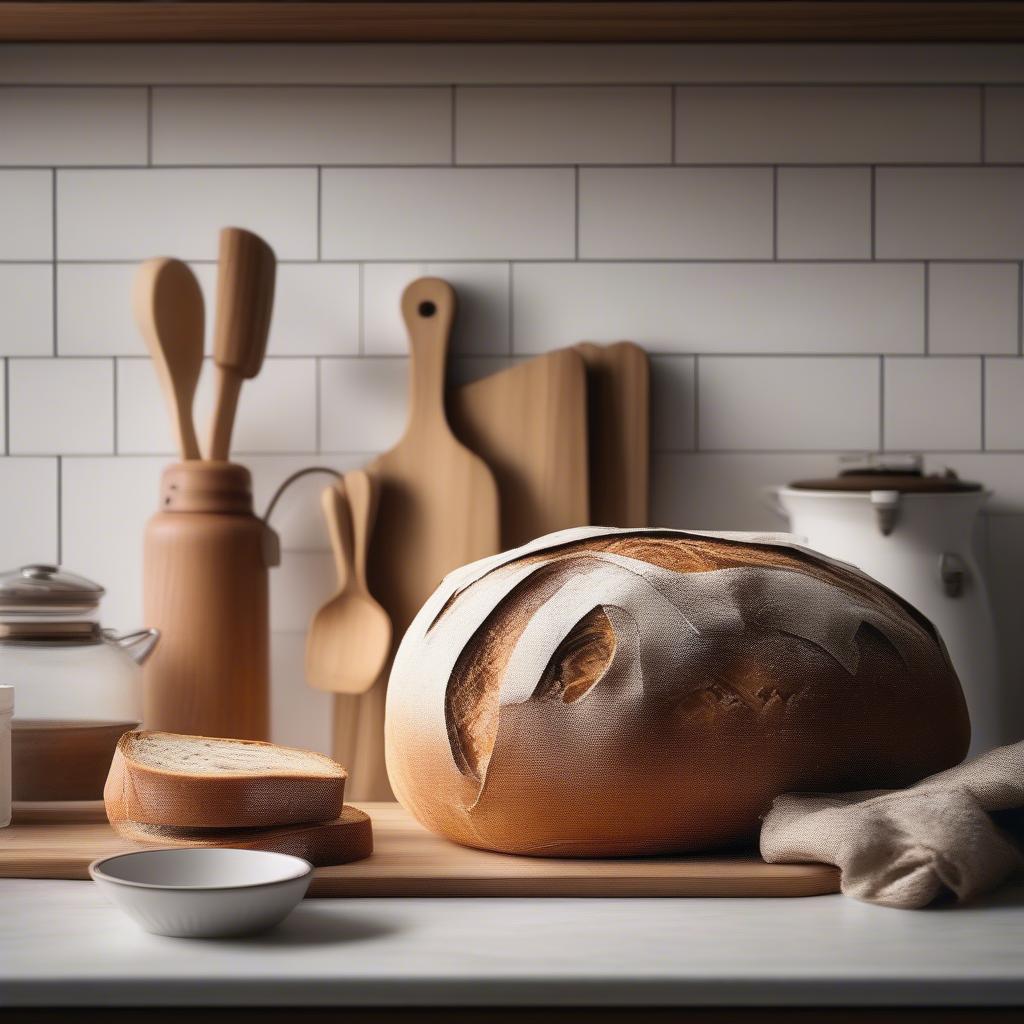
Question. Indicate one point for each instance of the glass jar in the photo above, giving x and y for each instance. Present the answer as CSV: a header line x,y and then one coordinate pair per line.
x,y
78,686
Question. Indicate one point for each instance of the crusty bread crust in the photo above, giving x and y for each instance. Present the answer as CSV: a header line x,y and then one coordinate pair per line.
x,y
137,792
698,677
348,838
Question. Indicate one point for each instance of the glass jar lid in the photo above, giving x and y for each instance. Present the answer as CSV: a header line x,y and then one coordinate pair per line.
x,y
42,589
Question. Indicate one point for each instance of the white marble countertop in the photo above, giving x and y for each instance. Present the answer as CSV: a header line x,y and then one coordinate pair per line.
x,y
62,944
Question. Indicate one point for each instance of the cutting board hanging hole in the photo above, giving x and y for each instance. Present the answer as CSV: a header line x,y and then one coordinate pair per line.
x,y
426,309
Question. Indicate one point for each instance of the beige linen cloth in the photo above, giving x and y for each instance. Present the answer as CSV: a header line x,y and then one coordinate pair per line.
x,y
957,832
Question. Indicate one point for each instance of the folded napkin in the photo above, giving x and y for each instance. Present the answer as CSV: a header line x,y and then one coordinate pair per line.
x,y
958,831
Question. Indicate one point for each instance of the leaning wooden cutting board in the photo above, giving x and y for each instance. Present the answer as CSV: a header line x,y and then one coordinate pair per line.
x,y
438,506
618,378
529,424
410,861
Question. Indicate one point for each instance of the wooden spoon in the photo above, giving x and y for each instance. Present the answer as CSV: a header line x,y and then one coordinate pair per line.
x,y
169,312
349,641
245,298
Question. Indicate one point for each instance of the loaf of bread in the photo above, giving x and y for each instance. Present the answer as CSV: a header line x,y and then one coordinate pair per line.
x,y
165,779
604,692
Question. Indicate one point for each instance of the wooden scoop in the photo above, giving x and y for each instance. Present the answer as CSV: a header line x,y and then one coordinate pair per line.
x,y
245,298
349,641
169,312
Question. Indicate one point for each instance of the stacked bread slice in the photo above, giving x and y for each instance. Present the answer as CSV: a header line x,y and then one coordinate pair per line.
x,y
173,790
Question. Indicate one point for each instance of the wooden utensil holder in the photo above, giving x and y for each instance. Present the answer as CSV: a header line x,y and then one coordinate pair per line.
x,y
206,589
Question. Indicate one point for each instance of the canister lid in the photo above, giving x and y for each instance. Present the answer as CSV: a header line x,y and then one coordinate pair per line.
x,y
6,699
47,587
902,473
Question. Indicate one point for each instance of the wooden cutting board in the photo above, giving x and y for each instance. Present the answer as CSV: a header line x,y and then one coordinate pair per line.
x,y
438,506
529,424
618,379
409,861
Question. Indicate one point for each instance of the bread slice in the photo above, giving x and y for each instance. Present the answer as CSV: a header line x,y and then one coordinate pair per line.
x,y
342,841
165,779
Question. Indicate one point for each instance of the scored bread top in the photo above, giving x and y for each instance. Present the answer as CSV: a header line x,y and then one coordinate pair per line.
x,y
159,778
207,755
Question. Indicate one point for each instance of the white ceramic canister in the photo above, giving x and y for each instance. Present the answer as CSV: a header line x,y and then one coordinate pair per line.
x,y
6,713
914,533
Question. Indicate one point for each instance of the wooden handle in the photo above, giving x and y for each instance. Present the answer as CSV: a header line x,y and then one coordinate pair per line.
x,y
335,505
168,306
246,269
428,308
361,488
225,406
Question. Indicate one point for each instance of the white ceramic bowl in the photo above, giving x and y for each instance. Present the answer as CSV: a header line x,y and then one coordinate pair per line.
x,y
203,893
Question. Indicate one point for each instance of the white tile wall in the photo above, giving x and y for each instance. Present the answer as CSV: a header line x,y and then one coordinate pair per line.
x,y
233,125
26,213
958,213
932,404
839,292
26,297
1004,114
973,308
135,214
450,214
675,213
824,213
827,124
799,403
1004,404
721,307
61,406
563,125
73,126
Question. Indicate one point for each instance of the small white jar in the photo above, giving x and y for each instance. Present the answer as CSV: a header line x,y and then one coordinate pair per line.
x,y
6,713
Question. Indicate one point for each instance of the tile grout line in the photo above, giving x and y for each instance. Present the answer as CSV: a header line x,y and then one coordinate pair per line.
x,y
7,406
927,318
361,316
149,126
53,255
317,402
1020,308
874,216
453,161
60,510
982,99
116,375
576,213
775,213
984,372
881,403
511,347
696,403
672,124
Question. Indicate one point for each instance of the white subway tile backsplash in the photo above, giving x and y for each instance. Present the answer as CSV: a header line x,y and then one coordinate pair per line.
x,y
824,213
932,404
28,514
675,213
1004,403
61,406
72,126
563,125
1004,116
105,504
448,213
26,214
673,403
276,411
481,322
827,124
973,308
957,213
723,307
316,309
26,297
726,490
758,402
362,403
136,214
279,124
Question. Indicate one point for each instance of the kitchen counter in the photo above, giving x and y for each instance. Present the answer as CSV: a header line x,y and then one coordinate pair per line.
x,y
61,943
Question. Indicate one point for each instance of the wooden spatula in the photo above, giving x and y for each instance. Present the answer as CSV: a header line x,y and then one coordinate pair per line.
x,y
169,312
349,642
438,501
245,298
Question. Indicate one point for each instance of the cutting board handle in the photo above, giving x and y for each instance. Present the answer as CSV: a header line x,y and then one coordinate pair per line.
x,y
428,308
